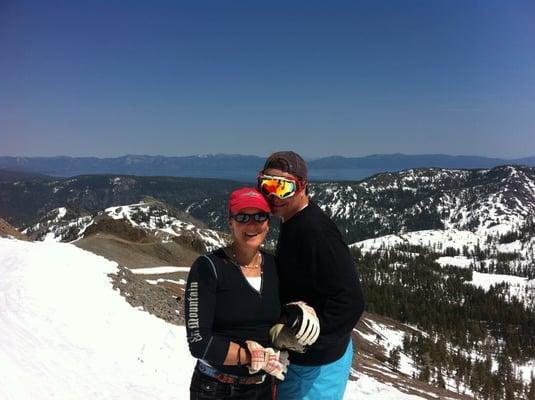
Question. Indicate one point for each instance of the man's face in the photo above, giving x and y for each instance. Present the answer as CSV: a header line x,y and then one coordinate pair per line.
x,y
286,208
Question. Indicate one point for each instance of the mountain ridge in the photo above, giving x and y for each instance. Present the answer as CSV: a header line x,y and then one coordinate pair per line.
x,y
245,167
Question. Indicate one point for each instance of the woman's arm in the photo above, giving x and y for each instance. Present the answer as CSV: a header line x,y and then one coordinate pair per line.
x,y
200,301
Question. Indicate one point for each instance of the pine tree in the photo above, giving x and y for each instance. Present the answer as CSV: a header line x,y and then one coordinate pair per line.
x,y
394,358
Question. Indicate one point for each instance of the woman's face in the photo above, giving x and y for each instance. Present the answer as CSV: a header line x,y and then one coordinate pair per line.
x,y
251,233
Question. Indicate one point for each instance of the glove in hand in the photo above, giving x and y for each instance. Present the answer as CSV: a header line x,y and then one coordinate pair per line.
x,y
283,338
267,359
303,321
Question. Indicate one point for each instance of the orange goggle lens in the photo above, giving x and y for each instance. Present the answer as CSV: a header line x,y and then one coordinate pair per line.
x,y
277,186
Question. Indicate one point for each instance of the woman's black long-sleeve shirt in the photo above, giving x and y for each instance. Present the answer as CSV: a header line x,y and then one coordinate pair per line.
x,y
315,266
221,306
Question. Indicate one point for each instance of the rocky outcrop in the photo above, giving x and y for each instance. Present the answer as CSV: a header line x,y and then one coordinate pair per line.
x,y
7,230
157,300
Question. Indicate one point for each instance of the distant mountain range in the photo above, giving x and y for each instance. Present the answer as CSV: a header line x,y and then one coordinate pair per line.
x,y
243,167
485,201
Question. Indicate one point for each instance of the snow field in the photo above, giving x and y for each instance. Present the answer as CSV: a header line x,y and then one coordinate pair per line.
x,y
66,334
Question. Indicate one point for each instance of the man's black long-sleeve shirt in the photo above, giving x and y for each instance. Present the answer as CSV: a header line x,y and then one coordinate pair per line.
x,y
221,306
315,266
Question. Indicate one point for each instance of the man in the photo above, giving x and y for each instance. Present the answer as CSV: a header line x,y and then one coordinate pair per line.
x,y
314,266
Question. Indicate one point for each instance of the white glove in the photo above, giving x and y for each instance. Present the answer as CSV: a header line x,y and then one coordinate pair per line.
x,y
309,329
283,338
265,358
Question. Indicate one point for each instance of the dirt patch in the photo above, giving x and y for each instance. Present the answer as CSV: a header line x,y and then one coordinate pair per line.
x,y
191,241
119,228
8,230
137,255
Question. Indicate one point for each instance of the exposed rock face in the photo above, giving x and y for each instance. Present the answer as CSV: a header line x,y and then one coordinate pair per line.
x,y
119,228
191,241
6,230
158,300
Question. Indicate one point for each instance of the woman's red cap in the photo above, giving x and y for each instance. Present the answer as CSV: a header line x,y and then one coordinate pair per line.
x,y
247,197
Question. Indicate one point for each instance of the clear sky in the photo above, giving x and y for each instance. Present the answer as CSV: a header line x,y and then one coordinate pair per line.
x,y
113,77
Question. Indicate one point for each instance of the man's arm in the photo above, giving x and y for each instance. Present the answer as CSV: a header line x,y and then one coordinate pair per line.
x,y
338,284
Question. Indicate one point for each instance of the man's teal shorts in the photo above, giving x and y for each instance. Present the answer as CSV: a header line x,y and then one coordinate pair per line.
x,y
325,382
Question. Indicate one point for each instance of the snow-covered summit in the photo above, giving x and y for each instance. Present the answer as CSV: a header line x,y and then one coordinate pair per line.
x,y
149,215
487,202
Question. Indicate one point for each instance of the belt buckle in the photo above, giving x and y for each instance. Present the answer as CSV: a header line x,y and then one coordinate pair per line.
x,y
226,379
252,380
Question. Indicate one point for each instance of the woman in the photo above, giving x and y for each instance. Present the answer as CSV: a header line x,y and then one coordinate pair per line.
x,y
232,301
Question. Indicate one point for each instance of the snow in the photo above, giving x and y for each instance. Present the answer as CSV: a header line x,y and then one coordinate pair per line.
x,y
485,281
66,334
457,261
367,388
527,370
434,238
156,281
159,270
391,338
61,212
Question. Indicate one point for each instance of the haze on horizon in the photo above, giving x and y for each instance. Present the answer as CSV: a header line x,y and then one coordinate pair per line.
x,y
107,79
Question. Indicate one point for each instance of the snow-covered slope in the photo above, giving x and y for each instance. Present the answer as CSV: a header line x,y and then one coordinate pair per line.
x,y
66,334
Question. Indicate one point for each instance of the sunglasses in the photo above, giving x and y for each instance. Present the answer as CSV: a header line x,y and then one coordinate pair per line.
x,y
243,218
278,186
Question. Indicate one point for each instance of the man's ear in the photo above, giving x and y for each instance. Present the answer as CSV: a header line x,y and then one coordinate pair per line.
x,y
304,183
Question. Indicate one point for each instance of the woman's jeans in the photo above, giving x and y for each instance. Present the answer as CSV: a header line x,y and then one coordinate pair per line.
x,y
204,387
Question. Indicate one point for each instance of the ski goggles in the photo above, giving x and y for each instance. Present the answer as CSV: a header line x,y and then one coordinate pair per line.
x,y
278,186
243,218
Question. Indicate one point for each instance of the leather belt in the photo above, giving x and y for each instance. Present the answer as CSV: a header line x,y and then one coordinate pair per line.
x,y
232,379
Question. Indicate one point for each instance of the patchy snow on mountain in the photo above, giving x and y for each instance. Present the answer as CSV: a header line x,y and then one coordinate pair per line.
x,y
439,241
485,202
368,388
153,217
434,239
59,224
521,288
386,338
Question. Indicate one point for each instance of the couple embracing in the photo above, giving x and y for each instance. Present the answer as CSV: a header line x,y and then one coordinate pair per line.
x,y
265,327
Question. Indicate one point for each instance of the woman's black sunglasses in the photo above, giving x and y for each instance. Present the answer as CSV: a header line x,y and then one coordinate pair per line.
x,y
243,218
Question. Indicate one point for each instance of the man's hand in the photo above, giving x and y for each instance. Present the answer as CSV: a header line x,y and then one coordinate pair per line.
x,y
303,321
267,359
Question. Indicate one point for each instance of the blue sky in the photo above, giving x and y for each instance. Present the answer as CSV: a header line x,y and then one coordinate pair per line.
x,y
108,78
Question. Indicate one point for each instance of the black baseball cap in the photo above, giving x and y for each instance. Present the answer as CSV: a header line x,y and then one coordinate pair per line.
x,y
287,161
